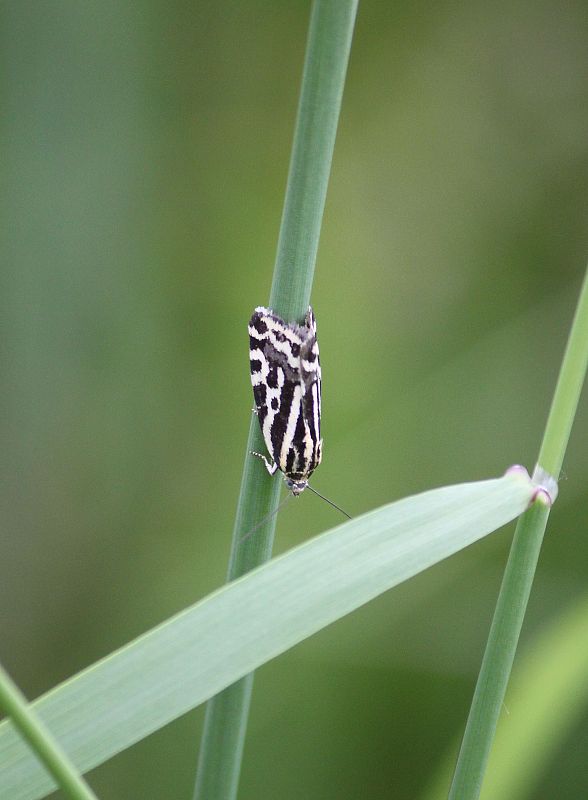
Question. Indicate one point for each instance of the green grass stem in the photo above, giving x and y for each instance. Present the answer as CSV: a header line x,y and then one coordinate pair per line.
x,y
518,578
567,392
327,55
47,750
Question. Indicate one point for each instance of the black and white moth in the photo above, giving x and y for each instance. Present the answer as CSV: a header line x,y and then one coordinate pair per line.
x,y
286,379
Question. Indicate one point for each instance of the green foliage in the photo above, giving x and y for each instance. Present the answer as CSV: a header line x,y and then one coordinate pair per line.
x,y
146,148
325,67
545,703
183,662
520,570
41,743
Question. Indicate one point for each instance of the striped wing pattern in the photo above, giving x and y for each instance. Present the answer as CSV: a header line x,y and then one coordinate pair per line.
x,y
286,379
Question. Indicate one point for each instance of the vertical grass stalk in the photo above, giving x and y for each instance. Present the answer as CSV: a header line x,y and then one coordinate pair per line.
x,y
520,571
47,750
327,55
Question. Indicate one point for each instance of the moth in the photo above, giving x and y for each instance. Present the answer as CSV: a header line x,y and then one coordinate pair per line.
x,y
286,379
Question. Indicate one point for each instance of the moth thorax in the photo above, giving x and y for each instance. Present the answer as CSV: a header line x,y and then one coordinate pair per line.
x,y
296,487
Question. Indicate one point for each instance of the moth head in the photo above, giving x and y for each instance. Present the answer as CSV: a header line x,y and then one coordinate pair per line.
x,y
296,487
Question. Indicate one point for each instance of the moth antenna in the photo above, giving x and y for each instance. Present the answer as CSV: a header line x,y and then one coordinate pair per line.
x,y
267,517
330,502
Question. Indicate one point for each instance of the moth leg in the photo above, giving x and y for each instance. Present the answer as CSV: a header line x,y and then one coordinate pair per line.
x,y
271,468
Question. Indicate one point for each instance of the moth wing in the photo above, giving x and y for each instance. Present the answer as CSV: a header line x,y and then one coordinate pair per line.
x,y
275,373
259,367
310,363
310,372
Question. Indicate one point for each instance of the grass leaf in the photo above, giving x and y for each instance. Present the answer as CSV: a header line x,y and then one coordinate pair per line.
x,y
181,663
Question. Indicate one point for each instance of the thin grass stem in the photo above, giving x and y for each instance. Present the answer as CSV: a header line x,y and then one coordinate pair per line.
x,y
327,55
518,578
567,392
47,750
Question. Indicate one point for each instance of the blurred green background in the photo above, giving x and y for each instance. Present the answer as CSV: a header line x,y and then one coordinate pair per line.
x,y
145,153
